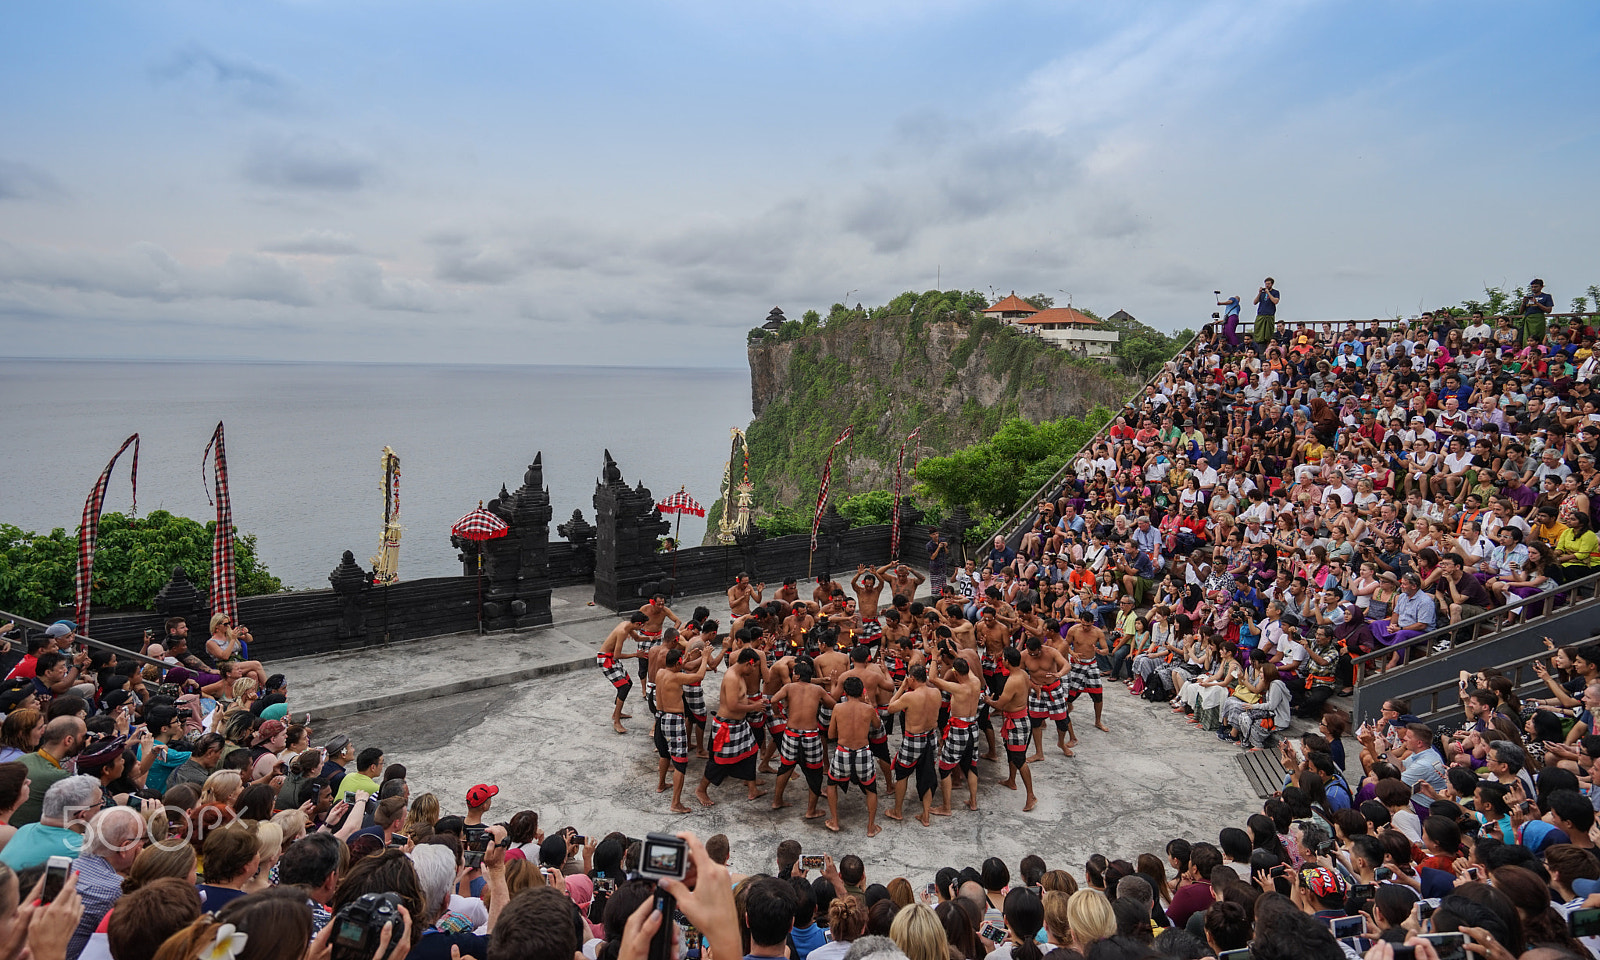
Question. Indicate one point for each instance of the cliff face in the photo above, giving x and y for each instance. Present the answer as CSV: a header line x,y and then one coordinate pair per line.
x,y
956,379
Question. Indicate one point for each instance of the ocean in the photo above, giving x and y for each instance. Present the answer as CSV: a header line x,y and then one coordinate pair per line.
x,y
304,441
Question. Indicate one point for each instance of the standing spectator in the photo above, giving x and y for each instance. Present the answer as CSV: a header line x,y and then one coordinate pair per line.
x,y
1266,302
1536,305
938,562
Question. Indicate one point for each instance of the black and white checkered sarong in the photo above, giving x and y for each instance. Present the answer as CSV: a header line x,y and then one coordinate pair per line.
x,y
694,704
1083,677
913,746
1017,730
1048,702
960,741
613,671
672,738
858,766
801,747
731,741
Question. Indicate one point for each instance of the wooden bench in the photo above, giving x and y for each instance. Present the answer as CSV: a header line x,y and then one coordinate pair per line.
x,y
1263,769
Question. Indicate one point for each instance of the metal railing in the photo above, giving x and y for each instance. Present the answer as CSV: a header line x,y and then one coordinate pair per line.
x,y
1464,632
87,640
1517,670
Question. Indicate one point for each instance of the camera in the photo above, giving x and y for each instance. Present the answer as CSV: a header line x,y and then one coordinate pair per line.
x,y
359,924
812,861
474,842
664,857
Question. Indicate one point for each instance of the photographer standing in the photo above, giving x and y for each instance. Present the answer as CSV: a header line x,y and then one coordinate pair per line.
x,y
1535,306
1266,302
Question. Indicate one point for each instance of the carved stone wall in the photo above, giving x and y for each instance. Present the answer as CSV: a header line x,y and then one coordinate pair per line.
x,y
627,527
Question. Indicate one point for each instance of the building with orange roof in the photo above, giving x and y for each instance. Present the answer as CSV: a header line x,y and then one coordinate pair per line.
x,y
1063,326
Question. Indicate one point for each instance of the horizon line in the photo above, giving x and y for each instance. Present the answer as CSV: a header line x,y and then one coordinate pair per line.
x,y
356,363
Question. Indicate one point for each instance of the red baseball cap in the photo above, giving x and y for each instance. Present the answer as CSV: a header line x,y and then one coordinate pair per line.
x,y
480,794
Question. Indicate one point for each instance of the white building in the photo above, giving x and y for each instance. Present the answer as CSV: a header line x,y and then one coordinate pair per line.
x,y
1062,326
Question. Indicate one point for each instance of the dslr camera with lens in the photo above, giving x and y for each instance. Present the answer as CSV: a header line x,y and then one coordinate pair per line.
x,y
358,924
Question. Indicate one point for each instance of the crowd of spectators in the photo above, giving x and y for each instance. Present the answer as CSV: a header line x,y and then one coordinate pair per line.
x,y
1268,517
1264,512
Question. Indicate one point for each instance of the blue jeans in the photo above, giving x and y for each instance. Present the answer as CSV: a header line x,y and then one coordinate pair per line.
x,y
1119,659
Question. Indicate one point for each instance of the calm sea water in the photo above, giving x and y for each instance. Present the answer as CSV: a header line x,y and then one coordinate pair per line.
x,y
304,441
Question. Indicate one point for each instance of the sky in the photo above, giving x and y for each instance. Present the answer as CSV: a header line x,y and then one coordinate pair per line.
x,y
639,183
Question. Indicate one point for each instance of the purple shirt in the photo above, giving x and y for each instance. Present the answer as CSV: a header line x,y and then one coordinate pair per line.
x,y
1523,496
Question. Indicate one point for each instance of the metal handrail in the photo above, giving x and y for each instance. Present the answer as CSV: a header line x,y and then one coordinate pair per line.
x,y
90,641
1545,600
1513,667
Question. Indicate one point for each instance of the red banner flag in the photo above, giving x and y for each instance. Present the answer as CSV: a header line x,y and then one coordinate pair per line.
x,y
224,594
827,477
89,530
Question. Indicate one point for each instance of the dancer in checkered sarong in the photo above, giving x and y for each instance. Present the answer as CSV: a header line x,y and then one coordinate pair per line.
x,y
655,613
869,589
919,747
733,745
958,753
803,743
609,659
1088,643
672,727
1013,706
1047,695
852,761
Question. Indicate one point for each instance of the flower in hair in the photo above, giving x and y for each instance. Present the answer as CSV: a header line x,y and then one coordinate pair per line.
x,y
227,945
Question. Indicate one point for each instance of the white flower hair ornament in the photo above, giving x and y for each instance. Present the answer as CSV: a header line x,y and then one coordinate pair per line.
x,y
227,945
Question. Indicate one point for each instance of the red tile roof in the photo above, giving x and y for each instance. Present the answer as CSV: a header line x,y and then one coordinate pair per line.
x,y
1059,315
1013,304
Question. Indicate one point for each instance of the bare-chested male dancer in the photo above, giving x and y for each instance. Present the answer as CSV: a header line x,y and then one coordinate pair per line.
x,y
920,743
854,721
672,727
1013,706
610,653
803,744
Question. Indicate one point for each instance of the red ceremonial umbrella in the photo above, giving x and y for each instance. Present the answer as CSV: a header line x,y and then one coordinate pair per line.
x,y
478,526
681,503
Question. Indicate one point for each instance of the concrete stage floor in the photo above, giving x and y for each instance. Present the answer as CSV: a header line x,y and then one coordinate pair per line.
x,y
548,744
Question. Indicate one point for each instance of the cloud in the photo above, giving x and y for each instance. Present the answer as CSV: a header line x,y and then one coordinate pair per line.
x,y
198,68
1003,173
249,276
326,243
145,271
307,163
365,281
22,181
477,265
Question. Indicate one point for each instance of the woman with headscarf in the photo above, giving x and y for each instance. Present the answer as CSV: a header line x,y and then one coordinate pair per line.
x,y
1324,420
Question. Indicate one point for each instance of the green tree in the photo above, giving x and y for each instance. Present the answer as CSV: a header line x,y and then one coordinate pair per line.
x,y
1041,301
782,521
991,478
133,560
867,509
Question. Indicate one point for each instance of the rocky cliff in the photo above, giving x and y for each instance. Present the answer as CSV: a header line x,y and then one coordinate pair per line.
x,y
958,379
